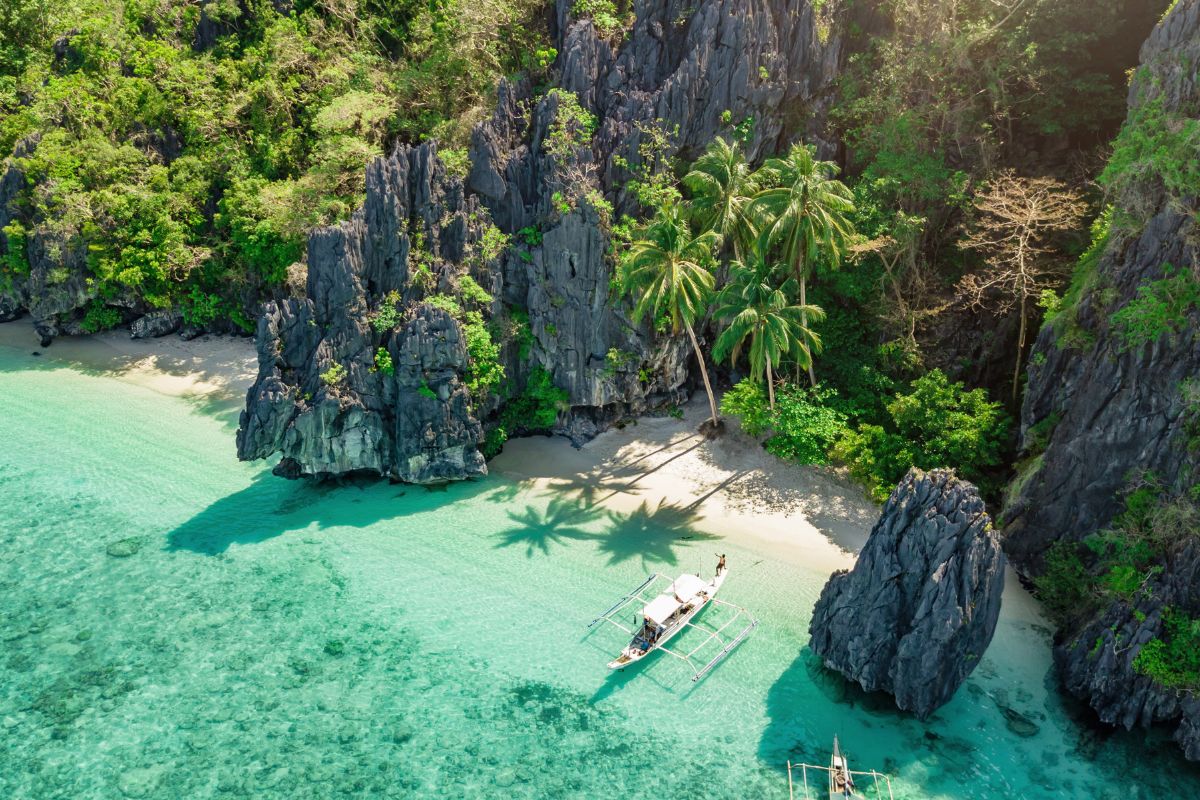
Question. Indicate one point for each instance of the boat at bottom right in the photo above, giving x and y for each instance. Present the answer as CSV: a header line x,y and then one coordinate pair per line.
x,y
842,784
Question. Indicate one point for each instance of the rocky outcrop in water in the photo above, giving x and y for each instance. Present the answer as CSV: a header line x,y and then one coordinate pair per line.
x,y
920,606
1107,406
706,66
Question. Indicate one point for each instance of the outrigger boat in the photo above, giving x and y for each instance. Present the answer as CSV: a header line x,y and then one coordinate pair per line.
x,y
841,780
672,610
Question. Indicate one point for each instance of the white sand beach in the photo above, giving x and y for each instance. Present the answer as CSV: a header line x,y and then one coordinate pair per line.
x,y
168,365
729,486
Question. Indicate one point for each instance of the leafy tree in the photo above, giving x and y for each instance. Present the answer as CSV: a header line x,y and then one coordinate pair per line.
x,y
756,311
804,212
668,270
936,424
721,184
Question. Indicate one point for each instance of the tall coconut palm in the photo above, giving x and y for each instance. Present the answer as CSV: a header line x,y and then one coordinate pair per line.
x,y
667,271
758,312
804,212
721,184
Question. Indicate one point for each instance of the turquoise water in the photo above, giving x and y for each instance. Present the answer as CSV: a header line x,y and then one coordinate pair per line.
x,y
180,625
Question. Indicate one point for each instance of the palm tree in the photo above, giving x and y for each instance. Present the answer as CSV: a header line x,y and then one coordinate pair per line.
x,y
668,270
756,310
721,185
804,211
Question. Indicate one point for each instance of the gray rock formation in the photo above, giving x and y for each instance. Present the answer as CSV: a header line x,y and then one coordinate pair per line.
x,y
705,65
155,324
1106,412
920,606
320,398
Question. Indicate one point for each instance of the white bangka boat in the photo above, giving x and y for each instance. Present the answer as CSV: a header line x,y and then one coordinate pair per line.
x,y
669,612
842,785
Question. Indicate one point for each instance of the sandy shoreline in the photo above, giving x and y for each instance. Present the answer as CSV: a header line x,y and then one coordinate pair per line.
x,y
209,365
729,487
663,469
659,466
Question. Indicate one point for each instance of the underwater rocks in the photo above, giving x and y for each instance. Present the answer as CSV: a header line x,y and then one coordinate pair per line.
x,y
124,548
919,608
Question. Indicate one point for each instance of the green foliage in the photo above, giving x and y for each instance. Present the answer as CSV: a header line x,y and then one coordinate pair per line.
x,y
1065,315
1117,563
457,162
537,407
573,126
334,375
936,424
1155,147
606,15
617,360
425,391
383,362
492,244
1160,309
387,316
803,428
1173,659
472,293
100,317
194,172
493,442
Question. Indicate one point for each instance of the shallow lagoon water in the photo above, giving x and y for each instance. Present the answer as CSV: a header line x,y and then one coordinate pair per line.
x,y
177,624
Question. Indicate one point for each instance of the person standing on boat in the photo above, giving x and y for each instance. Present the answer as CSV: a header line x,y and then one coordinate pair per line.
x,y
720,562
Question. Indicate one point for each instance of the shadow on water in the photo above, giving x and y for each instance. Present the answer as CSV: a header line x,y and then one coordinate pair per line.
x,y
808,704
561,522
271,506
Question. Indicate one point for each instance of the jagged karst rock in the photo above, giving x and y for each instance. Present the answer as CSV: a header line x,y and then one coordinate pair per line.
x,y
363,419
920,606
698,65
155,324
1107,412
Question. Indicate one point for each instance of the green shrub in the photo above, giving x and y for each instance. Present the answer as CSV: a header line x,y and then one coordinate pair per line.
x,y
573,126
1154,145
387,316
804,425
334,375
383,362
426,391
605,15
493,442
536,408
100,317
1173,658
936,424
457,162
1161,308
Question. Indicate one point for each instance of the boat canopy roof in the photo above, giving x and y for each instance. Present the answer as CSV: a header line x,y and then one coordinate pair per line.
x,y
683,590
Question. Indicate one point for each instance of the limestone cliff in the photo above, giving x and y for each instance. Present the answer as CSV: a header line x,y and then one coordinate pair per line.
x,y
704,66
1109,402
920,606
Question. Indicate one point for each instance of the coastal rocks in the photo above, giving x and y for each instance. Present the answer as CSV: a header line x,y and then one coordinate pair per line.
x,y
325,397
919,608
1105,407
155,324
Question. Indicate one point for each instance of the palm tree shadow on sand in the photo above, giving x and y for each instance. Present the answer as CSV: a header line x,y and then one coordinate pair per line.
x,y
271,506
651,534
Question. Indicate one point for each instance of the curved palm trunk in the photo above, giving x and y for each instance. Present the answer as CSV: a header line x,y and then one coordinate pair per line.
x,y
770,386
712,400
812,375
